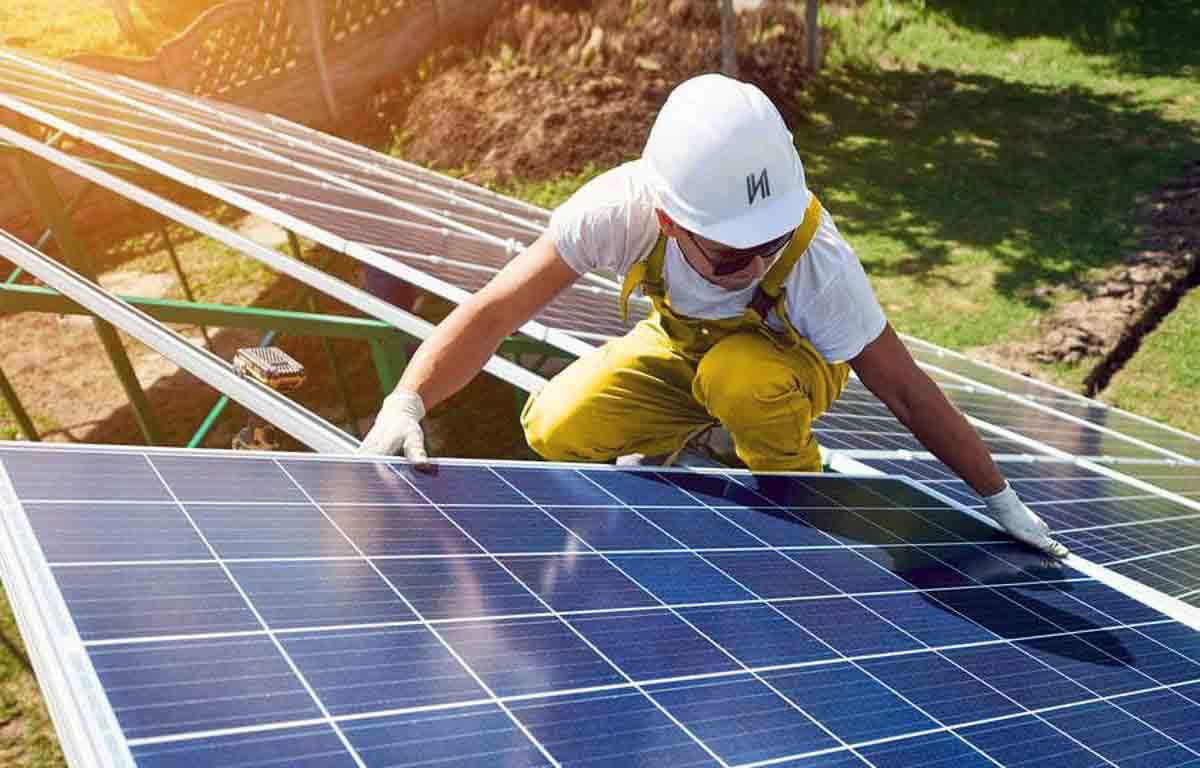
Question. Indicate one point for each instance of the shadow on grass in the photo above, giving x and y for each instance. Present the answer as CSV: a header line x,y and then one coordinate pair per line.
x,y
1148,37
1044,179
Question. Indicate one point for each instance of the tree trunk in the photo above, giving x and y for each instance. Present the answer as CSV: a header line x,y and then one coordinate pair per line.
x,y
810,30
729,65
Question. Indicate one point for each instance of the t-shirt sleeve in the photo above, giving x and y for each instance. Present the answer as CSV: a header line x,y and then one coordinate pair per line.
x,y
832,303
608,224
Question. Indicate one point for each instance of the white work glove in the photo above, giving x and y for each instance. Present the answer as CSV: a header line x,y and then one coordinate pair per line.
x,y
1020,521
397,428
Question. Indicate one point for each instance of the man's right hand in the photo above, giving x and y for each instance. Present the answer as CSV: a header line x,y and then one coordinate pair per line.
x,y
397,428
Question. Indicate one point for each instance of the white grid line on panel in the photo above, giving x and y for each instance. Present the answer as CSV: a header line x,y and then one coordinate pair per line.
x,y
107,91
964,726
1142,593
492,697
1101,650
1068,417
744,667
325,715
550,609
792,621
1000,638
315,149
586,612
1074,396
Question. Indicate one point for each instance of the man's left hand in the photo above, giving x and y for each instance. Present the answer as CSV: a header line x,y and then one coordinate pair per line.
x,y
1024,525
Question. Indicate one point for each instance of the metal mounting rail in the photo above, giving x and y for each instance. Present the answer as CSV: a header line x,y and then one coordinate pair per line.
x,y
327,284
289,416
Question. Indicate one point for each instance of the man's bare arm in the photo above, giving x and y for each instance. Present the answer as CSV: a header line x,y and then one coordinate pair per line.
x,y
888,370
471,334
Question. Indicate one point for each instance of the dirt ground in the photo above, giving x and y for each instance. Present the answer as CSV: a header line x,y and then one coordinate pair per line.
x,y
514,111
498,111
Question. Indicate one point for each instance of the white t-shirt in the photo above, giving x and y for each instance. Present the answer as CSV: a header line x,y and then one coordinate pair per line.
x,y
609,224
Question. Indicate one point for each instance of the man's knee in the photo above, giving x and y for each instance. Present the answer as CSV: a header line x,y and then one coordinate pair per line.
x,y
765,401
552,428
742,379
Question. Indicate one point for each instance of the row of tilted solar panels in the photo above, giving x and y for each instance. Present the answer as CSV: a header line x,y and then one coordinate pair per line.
x,y
264,610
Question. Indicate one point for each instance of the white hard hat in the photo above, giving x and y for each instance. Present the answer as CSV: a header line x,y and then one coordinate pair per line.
x,y
723,164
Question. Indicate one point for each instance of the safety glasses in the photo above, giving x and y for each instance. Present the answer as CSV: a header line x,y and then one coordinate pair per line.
x,y
728,261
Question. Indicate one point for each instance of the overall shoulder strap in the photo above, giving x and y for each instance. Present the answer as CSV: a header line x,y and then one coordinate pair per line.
x,y
646,274
771,287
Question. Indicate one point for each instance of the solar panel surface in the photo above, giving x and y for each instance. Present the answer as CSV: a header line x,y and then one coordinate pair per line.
x,y
1152,539
254,609
949,367
858,420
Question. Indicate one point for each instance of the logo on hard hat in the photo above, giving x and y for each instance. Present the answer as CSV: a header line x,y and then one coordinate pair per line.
x,y
756,185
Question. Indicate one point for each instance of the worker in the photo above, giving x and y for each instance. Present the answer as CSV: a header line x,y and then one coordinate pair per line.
x,y
762,309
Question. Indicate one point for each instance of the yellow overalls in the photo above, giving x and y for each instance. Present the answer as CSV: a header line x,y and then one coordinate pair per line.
x,y
672,376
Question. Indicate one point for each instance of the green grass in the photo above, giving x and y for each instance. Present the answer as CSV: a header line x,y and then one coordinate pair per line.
x,y
972,160
8,423
27,738
1163,378
553,192
59,28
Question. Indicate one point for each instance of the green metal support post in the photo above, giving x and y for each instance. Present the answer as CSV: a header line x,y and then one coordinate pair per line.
x,y
390,362
18,411
48,233
34,298
338,380
50,207
183,281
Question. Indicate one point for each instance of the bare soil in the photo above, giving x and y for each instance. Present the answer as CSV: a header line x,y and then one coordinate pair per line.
x,y
560,84
1104,328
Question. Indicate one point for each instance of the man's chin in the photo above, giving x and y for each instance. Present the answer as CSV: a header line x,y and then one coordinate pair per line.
x,y
733,284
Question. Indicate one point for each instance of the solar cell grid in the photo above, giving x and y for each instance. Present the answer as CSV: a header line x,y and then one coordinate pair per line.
x,y
220,147
1180,479
858,420
1047,427
577,647
950,367
963,369
1150,538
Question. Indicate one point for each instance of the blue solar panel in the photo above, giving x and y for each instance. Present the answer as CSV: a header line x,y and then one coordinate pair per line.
x,y
1134,531
961,370
540,615
859,421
